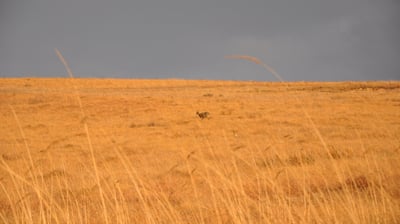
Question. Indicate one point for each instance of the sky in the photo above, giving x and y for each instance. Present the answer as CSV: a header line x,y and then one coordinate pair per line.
x,y
303,40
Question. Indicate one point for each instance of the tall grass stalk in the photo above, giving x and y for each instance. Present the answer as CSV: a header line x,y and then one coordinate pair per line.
x,y
314,127
85,125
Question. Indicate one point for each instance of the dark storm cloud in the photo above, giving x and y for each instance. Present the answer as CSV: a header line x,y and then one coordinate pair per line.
x,y
303,40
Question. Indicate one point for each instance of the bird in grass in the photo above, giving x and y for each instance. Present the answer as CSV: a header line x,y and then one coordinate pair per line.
x,y
202,115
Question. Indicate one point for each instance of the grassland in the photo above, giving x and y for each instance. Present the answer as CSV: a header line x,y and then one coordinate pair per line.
x,y
134,151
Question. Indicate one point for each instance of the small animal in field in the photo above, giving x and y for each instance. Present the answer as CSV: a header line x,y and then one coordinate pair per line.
x,y
203,115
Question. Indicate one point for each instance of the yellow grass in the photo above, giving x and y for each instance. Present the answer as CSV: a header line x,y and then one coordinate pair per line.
x,y
134,151
150,159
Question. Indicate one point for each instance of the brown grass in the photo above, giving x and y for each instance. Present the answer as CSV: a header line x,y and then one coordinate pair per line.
x,y
134,151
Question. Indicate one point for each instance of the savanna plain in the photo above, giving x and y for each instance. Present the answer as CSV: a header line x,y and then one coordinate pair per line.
x,y
135,151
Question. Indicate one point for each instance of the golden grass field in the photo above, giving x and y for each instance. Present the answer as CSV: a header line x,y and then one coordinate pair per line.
x,y
134,151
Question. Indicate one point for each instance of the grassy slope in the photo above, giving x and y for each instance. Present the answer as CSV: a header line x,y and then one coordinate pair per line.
x,y
137,151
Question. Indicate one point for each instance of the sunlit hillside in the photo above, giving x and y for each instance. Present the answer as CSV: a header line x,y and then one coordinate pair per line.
x,y
137,151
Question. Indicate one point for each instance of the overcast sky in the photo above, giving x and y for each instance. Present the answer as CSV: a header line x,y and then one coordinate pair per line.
x,y
302,39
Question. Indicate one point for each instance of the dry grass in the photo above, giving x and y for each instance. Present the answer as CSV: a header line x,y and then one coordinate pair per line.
x,y
134,151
